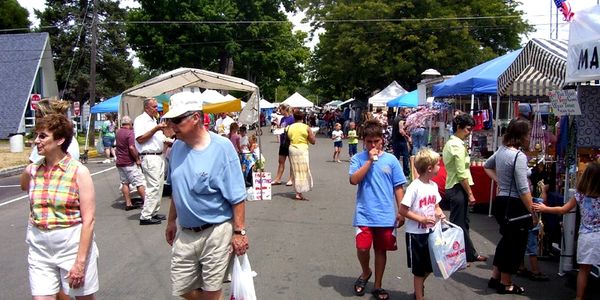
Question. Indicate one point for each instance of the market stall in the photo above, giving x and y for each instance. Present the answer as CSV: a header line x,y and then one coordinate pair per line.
x,y
584,144
173,81
390,92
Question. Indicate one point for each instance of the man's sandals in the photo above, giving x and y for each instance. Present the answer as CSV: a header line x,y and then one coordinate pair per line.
x,y
360,284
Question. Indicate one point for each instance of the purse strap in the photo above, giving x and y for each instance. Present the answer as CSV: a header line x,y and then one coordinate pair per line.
x,y
511,184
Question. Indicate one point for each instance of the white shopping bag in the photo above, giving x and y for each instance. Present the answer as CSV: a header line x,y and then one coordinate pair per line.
x,y
242,279
447,249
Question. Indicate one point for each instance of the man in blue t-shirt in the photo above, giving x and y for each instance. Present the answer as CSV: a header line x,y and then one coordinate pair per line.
x,y
208,203
380,191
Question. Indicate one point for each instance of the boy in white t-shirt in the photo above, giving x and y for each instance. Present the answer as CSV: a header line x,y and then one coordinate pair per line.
x,y
420,206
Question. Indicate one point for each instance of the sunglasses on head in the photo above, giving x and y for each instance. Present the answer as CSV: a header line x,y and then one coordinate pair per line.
x,y
180,119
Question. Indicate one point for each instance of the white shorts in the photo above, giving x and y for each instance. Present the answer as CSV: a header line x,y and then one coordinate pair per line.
x,y
52,253
201,260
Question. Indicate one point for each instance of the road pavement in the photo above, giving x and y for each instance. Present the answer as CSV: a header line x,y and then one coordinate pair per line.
x,y
300,249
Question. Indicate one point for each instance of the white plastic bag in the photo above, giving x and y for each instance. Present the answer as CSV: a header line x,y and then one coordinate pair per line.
x,y
242,279
447,249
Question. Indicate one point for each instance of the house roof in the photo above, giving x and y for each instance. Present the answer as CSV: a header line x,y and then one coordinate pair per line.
x,y
20,57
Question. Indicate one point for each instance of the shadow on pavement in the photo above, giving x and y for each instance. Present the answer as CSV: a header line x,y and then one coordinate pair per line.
x,y
344,285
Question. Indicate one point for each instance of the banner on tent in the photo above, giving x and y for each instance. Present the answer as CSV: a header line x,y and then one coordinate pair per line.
x,y
564,102
583,62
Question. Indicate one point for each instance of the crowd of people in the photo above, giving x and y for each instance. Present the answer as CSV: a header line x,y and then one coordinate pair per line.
x,y
207,163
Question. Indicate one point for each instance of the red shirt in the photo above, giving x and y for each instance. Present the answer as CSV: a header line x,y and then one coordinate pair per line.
x,y
124,139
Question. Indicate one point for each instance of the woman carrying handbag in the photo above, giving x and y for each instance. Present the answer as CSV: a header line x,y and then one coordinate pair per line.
x,y
508,167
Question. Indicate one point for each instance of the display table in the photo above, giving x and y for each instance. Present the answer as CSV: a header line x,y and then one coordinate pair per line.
x,y
481,187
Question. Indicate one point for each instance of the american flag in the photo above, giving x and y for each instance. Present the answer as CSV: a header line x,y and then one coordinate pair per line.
x,y
565,8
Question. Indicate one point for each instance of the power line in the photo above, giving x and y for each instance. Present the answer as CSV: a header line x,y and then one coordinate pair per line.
x,y
226,22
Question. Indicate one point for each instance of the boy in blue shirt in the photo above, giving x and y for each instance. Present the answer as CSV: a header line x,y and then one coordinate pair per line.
x,y
380,183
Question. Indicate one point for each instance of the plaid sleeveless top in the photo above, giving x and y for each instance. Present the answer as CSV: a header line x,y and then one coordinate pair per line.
x,y
54,194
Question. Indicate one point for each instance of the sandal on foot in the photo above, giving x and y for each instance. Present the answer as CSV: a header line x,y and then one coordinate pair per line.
x,y
494,283
380,294
538,277
276,183
510,289
360,284
524,273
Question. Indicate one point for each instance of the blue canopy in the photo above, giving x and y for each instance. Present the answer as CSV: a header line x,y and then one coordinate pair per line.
x,y
410,99
481,79
111,105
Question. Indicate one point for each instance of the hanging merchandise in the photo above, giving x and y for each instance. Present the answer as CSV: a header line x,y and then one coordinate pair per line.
x,y
536,141
478,117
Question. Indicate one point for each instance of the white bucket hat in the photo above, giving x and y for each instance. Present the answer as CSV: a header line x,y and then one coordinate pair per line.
x,y
183,102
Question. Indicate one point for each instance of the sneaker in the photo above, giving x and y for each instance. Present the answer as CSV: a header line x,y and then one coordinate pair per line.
x,y
106,161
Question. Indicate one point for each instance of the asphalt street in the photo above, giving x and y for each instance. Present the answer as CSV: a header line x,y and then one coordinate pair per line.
x,y
300,249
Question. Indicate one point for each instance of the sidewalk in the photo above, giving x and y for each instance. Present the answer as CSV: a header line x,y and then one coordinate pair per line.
x,y
18,161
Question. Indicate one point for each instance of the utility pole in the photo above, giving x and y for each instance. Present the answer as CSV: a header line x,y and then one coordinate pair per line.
x,y
91,134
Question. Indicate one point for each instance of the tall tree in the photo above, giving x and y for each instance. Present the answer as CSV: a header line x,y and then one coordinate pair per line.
x,y
367,44
68,23
220,36
13,16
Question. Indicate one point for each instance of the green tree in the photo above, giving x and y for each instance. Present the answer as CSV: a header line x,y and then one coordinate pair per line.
x,y
401,39
69,23
13,16
220,36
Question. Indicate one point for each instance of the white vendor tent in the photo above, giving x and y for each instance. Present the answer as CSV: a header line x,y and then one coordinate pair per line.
x,y
264,104
229,97
584,45
297,100
212,96
177,79
393,90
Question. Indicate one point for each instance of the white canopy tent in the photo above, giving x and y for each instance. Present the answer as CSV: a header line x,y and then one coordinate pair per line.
x,y
266,104
212,96
393,90
229,97
173,81
297,100
584,42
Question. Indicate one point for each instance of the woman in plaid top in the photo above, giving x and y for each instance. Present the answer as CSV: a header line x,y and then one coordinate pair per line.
x,y
60,235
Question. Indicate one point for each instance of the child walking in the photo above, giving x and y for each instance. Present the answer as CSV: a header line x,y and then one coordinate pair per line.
x,y
587,198
336,136
352,139
380,183
420,206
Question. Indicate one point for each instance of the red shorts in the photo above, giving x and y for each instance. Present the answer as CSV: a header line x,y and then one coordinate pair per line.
x,y
382,238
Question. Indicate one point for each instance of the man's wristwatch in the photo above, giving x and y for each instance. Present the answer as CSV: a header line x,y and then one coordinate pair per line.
x,y
241,232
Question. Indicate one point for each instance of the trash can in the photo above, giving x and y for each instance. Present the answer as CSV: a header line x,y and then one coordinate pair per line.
x,y
16,142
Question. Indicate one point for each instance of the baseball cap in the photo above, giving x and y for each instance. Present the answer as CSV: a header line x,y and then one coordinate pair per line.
x,y
125,120
183,102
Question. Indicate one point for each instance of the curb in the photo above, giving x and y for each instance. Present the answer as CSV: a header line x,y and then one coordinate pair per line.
x,y
16,170
11,171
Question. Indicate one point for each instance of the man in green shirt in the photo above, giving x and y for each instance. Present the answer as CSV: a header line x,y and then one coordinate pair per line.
x,y
459,180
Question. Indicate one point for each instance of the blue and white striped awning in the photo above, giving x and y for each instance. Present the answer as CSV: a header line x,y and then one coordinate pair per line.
x,y
538,69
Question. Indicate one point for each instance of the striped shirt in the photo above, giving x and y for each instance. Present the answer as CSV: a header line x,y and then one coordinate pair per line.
x,y
54,194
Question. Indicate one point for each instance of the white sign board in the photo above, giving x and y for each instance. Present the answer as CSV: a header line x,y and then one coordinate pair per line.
x,y
261,186
583,56
564,102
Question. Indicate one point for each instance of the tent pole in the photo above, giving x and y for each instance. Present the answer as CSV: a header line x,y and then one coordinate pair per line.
x,y
494,141
87,133
472,108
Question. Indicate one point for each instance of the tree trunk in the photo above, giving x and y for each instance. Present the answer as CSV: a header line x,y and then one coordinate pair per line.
x,y
225,63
